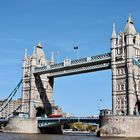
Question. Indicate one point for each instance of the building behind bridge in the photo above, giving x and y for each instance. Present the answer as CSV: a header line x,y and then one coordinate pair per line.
x,y
14,107
10,108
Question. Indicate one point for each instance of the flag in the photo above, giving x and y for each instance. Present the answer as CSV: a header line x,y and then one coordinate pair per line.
x,y
75,47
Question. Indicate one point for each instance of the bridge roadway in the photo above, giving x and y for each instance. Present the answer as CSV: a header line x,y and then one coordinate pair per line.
x,y
47,122
77,66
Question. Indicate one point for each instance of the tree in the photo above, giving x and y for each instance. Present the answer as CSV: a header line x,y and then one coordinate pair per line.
x,y
77,126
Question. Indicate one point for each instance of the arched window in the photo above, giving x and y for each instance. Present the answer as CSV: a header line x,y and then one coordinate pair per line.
x,y
117,87
118,71
122,86
122,71
118,51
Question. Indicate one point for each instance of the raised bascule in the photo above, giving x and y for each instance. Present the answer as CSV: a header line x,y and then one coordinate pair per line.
x,y
39,75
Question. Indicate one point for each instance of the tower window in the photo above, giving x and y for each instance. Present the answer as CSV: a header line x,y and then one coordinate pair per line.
x,y
122,87
134,40
120,71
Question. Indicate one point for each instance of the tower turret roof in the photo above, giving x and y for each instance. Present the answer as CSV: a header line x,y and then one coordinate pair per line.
x,y
129,27
39,45
39,52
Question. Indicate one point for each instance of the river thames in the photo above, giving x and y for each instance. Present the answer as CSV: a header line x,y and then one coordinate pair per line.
x,y
13,136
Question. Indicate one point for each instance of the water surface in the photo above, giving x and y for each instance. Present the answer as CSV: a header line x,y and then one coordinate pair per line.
x,y
13,136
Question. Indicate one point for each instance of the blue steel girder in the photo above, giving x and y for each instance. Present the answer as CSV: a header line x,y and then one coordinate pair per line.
x,y
47,122
136,62
71,67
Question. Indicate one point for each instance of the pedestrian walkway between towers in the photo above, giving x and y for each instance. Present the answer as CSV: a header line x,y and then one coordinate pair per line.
x,y
77,66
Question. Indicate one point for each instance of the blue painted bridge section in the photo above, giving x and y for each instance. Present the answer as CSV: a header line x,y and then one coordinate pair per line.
x,y
47,122
3,121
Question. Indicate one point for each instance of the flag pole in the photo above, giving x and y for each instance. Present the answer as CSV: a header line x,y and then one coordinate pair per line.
x,y
77,51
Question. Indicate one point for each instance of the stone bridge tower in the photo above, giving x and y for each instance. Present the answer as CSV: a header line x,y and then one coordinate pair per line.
x,y
125,75
37,90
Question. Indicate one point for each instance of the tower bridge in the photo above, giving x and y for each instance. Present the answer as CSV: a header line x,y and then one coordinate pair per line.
x,y
124,62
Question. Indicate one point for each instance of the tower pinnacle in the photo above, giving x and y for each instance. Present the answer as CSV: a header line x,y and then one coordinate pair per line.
x,y
39,45
25,53
52,58
130,19
114,35
129,27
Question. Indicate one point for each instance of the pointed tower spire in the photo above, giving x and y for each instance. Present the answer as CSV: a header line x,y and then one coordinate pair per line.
x,y
52,58
39,45
34,54
129,27
39,53
25,53
129,18
114,35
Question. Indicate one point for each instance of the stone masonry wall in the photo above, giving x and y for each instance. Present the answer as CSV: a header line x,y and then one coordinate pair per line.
x,y
123,126
22,125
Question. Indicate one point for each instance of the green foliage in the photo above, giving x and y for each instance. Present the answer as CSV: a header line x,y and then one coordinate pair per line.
x,y
89,127
78,126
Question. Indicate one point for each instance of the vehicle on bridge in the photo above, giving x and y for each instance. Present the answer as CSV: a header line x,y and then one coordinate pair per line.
x,y
55,116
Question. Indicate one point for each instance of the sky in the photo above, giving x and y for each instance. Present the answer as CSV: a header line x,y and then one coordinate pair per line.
x,y
60,25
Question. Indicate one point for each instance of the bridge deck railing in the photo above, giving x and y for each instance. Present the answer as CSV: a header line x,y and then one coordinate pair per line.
x,y
44,122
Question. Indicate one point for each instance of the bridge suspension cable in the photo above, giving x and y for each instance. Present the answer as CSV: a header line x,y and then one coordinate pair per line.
x,y
10,97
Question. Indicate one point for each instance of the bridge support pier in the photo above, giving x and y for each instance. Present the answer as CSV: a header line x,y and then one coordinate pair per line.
x,y
52,130
28,125
22,125
120,126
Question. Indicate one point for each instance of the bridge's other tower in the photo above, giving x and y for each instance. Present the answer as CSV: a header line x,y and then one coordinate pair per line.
x,y
37,90
125,76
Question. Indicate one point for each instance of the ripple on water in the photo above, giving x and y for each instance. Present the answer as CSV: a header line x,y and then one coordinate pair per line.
x,y
13,136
